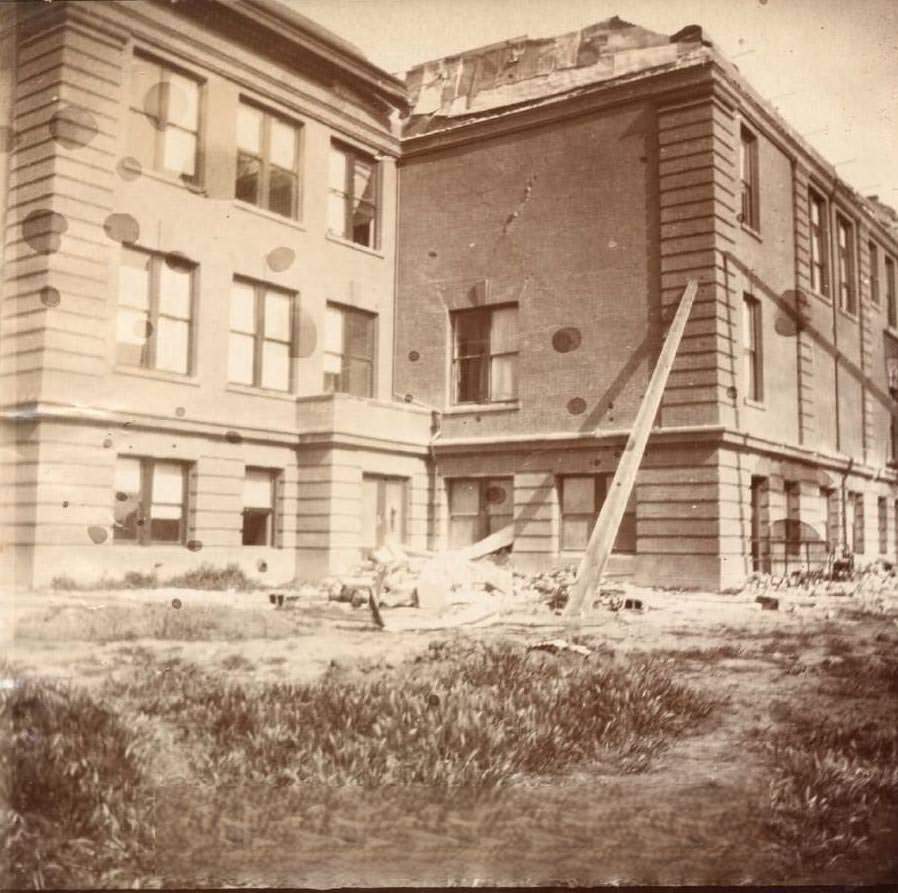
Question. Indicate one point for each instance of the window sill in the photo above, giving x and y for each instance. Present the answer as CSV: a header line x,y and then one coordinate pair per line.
x,y
363,248
173,180
754,233
269,215
820,296
260,392
479,408
848,314
157,375
755,404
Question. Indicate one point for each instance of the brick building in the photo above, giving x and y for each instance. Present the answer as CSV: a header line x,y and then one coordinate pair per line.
x,y
199,203
556,195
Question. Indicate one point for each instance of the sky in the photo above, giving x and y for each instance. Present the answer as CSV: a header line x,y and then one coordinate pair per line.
x,y
829,66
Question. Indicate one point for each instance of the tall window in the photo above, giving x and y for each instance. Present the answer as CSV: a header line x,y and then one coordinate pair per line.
x,y
155,311
163,131
582,497
352,208
150,504
819,237
874,272
751,348
855,522
748,175
259,515
891,297
479,507
349,351
261,336
882,505
267,161
485,354
793,518
845,248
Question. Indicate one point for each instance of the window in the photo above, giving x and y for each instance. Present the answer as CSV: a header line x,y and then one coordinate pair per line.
x,y
479,507
485,355
845,248
874,272
751,348
352,207
819,237
261,336
855,522
259,517
163,131
349,351
748,175
582,497
793,517
150,501
267,161
882,505
890,293
155,311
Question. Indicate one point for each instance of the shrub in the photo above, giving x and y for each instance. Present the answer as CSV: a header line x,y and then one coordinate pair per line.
x,y
207,576
64,583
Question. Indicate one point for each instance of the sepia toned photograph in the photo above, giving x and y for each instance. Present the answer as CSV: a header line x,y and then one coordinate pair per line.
x,y
448,443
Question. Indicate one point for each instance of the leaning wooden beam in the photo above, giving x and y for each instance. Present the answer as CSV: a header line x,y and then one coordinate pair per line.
x,y
605,532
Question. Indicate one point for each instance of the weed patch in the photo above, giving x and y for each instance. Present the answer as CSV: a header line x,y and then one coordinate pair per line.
x,y
206,576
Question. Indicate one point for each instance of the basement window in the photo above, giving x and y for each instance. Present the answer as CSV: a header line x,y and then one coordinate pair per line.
x,y
485,355
349,351
352,203
581,498
150,505
259,507
748,175
819,240
845,248
478,507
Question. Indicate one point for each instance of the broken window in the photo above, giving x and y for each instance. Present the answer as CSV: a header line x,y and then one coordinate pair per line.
x,y
819,237
261,336
163,132
485,354
259,500
150,501
349,351
891,307
155,310
478,507
581,498
845,248
748,175
751,348
267,161
352,205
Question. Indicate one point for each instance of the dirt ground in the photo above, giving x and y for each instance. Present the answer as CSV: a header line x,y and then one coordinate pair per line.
x,y
693,818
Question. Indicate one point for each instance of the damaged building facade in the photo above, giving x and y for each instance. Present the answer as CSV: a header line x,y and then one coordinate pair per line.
x,y
556,197
246,318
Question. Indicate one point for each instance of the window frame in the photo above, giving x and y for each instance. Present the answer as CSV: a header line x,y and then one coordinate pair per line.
x,y
846,264
873,261
260,291
346,359
882,521
483,514
485,388
750,205
601,484
752,348
272,513
144,523
265,162
155,260
354,155
820,264
891,297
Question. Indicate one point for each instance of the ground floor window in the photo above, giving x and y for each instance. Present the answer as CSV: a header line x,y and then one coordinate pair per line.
x,y
384,501
883,517
478,507
260,507
150,503
854,522
581,498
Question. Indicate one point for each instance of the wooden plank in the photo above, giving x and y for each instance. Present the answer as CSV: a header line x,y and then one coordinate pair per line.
x,y
605,532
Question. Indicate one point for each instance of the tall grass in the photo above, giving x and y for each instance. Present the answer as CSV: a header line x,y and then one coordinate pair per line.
x,y
206,576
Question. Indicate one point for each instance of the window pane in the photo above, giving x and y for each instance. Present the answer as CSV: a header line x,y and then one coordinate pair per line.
x,y
359,334
247,186
145,79
363,181
134,280
504,330
256,528
183,101
131,326
168,484
363,224
471,333
243,307
338,170
166,511
165,531
142,136
174,290
249,129
258,488
470,382
333,330
127,475
281,192
172,345
179,151
499,497
464,531
277,316
283,145
336,214
503,378
575,531
240,358
333,363
464,497
276,366
359,378
578,495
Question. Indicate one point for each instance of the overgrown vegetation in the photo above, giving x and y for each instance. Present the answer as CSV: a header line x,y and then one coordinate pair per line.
x,y
206,576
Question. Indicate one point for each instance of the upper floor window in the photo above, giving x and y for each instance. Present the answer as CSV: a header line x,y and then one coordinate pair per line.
x,y
352,206
819,237
163,130
349,351
748,175
845,248
874,272
891,308
155,311
261,336
150,504
751,348
267,161
485,354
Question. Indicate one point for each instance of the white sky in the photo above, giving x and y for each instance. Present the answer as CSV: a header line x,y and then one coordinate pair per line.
x,y
830,66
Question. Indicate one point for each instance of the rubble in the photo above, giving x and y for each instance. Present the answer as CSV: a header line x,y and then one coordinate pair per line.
x,y
553,646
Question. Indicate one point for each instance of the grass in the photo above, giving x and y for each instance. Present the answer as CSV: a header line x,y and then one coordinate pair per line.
x,y
206,576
